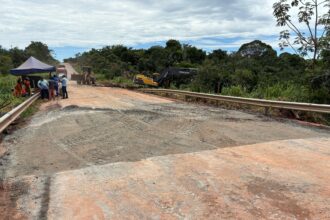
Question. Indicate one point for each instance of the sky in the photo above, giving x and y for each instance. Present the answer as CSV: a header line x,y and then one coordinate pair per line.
x,y
72,26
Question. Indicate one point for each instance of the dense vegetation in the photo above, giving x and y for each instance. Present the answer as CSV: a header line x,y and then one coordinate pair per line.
x,y
255,70
13,58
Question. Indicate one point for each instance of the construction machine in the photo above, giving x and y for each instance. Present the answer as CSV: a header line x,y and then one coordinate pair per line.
x,y
166,77
86,78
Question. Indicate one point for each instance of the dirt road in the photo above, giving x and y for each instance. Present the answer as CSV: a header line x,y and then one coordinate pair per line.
x,y
70,70
108,153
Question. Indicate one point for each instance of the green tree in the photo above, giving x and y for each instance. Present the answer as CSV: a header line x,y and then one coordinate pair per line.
x,y
5,64
40,51
211,78
257,49
174,49
308,39
193,54
157,59
218,55
245,78
325,53
173,45
18,56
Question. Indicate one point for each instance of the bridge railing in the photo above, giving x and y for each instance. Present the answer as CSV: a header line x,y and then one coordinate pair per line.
x,y
268,104
11,116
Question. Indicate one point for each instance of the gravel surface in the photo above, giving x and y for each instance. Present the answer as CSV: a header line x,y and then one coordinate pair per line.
x,y
74,137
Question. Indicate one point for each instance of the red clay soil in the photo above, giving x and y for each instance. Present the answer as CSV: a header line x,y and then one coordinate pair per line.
x,y
275,180
102,98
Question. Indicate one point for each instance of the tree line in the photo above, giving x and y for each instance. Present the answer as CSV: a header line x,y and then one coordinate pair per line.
x,y
255,70
12,58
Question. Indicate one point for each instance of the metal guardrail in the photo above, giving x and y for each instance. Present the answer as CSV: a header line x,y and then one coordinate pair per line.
x,y
11,116
268,104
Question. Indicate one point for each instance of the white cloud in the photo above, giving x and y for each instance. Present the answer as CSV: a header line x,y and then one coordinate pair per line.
x,y
90,23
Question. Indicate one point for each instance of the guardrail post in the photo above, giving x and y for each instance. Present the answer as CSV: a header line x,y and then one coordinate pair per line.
x,y
267,110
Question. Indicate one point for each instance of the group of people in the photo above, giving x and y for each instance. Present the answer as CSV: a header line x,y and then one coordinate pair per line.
x,y
50,88
22,88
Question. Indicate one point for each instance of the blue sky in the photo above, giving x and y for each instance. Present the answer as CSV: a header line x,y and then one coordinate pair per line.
x,y
72,26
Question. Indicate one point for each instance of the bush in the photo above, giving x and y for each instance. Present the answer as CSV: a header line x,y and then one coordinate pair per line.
x,y
7,83
234,91
7,100
122,80
101,78
291,92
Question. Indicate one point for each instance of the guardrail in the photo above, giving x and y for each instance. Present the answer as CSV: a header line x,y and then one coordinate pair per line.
x,y
11,116
268,104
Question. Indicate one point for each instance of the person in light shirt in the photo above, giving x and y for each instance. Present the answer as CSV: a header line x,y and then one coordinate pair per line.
x,y
64,82
43,86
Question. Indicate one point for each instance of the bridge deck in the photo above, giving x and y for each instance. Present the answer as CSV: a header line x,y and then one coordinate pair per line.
x,y
118,154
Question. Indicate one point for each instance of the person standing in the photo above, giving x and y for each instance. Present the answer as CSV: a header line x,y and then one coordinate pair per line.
x,y
27,86
43,86
56,81
64,82
51,86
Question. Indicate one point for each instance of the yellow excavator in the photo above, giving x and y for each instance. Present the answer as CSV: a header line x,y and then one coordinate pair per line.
x,y
168,75
145,80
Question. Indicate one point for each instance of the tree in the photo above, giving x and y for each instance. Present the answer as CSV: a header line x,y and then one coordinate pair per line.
x,y
309,39
218,55
325,53
174,50
173,45
40,51
5,64
245,78
119,50
157,58
193,54
18,56
256,49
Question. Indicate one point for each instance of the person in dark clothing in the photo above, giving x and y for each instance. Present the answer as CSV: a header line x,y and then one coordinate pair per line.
x,y
56,81
51,86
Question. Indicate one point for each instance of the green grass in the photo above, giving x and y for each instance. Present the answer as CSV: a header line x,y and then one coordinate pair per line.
x,y
7,83
31,110
235,91
119,80
122,81
291,92
101,78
